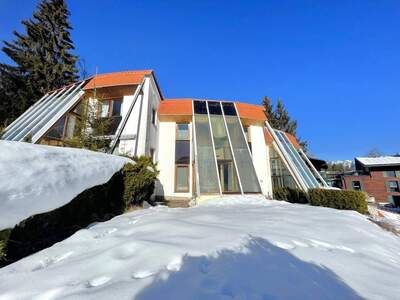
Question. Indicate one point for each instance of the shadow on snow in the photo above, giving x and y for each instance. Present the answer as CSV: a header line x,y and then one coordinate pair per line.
x,y
262,271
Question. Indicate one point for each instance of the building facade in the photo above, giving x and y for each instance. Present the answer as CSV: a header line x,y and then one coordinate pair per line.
x,y
379,177
203,148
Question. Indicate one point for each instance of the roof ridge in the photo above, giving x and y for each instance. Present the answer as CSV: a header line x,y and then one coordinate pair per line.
x,y
124,72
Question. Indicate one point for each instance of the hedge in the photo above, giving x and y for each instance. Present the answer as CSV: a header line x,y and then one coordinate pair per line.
x,y
290,195
340,199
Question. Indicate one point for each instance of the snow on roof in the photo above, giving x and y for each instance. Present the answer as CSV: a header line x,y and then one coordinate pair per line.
x,y
379,161
236,248
37,178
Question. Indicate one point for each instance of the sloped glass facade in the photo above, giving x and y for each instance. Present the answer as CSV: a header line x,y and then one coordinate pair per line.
x,y
224,162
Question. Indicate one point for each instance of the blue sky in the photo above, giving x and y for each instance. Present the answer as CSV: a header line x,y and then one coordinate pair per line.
x,y
335,64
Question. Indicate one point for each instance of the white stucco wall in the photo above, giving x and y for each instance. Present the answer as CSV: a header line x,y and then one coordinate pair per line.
x,y
260,155
166,162
146,134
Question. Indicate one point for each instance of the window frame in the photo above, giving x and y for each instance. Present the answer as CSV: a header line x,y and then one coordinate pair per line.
x,y
153,116
393,189
181,165
110,108
186,190
352,185
177,138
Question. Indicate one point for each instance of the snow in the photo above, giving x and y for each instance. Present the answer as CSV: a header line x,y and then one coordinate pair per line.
x,y
38,178
231,248
379,161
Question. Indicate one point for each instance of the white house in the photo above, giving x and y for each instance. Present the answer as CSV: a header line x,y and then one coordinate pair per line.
x,y
203,147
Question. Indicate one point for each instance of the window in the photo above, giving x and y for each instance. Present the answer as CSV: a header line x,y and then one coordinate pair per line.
x,y
116,108
394,200
280,174
57,131
247,134
206,165
244,163
393,186
226,167
182,157
182,178
229,108
200,107
391,173
182,152
153,116
214,108
182,131
356,185
110,108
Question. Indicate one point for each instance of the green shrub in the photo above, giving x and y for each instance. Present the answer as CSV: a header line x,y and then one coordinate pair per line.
x,y
139,180
290,195
340,199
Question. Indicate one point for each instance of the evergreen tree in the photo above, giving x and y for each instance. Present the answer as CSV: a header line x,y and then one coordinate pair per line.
x,y
42,59
285,123
269,112
279,118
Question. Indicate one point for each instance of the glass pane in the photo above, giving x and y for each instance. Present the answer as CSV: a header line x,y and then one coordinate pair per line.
x,y
294,156
200,107
116,111
105,105
56,132
214,108
69,133
182,178
182,152
226,167
280,174
208,180
244,163
229,109
182,131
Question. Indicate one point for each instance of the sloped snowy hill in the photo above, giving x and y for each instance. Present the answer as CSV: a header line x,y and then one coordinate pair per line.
x,y
236,248
37,178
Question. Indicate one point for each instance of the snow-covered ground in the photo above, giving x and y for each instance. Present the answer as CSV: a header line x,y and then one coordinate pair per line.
x,y
235,248
37,178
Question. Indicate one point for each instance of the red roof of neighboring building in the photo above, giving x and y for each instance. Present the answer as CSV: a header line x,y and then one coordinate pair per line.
x,y
117,79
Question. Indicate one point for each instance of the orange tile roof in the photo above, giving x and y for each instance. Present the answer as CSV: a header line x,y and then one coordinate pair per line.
x,y
184,107
117,78
251,111
176,107
293,140
268,137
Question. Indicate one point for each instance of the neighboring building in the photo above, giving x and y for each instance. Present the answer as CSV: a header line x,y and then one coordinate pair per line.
x,y
379,177
203,147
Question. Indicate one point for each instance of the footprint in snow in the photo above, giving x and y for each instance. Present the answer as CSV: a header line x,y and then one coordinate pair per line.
x,y
285,246
142,274
105,233
300,244
98,281
48,261
327,246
